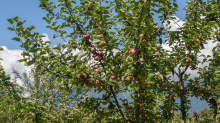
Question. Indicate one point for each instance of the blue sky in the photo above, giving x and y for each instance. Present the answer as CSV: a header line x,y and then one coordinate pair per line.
x,y
29,10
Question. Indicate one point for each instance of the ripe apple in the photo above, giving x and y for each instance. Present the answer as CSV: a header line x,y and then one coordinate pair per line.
x,y
83,76
158,53
150,16
113,76
198,40
88,83
153,120
127,107
86,36
211,100
84,115
128,34
141,35
93,50
219,45
96,70
104,102
128,78
133,52
100,54
141,74
96,58
142,113
97,81
103,43
171,111
187,60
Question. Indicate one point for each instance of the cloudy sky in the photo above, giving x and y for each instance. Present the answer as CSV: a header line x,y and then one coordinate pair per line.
x,y
29,10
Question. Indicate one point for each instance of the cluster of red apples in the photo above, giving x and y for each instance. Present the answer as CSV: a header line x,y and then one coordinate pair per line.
x,y
98,55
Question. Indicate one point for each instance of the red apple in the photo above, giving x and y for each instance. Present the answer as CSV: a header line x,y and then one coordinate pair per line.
x,y
133,52
128,78
142,112
96,58
198,40
103,43
158,53
90,21
171,111
141,35
155,45
219,45
88,83
127,107
113,76
86,36
187,60
141,74
211,100
97,81
96,70
93,50
84,115
150,16
153,120
104,102
100,54
128,34
83,76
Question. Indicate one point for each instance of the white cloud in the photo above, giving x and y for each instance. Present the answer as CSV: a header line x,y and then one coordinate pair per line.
x,y
10,58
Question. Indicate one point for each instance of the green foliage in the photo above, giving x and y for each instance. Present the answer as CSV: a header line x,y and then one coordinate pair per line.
x,y
59,89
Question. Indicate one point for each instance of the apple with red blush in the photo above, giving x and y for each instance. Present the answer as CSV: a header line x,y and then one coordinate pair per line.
x,y
127,107
88,83
86,36
93,50
133,52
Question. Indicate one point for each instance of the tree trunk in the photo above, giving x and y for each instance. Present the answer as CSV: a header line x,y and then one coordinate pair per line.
x,y
182,100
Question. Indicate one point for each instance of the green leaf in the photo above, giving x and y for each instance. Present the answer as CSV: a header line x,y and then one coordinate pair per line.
x,y
10,21
16,39
16,19
19,23
29,63
10,28
59,80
